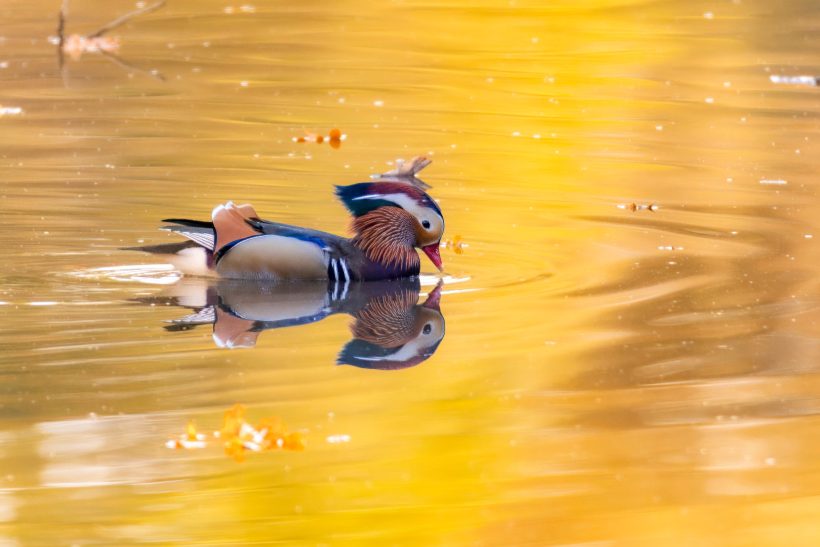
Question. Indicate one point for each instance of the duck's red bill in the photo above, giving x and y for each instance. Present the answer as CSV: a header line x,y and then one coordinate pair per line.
x,y
434,298
432,253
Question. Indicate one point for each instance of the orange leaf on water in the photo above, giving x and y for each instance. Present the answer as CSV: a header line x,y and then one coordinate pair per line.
x,y
294,441
235,449
238,436
232,421
190,431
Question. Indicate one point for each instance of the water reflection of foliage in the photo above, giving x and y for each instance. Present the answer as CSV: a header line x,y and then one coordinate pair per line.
x,y
238,436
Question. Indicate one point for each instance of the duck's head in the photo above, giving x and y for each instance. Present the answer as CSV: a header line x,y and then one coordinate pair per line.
x,y
397,210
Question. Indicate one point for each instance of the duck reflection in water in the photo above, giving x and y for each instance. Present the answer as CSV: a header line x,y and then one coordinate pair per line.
x,y
391,328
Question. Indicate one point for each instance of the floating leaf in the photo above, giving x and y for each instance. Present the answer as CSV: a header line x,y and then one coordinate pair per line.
x,y
238,436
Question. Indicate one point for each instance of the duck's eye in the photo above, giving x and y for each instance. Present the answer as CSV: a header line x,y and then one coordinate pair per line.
x,y
425,224
427,329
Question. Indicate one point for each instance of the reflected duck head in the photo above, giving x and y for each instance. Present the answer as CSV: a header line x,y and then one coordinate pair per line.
x,y
394,332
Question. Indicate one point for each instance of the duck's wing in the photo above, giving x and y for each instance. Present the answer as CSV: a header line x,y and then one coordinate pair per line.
x,y
306,234
339,255
239,222
241,245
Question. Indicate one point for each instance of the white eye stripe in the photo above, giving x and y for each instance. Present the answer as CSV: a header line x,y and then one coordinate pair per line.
x,y
404,201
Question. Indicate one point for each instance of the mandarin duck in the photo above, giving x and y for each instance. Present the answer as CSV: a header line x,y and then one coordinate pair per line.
x,y
390,220
391,328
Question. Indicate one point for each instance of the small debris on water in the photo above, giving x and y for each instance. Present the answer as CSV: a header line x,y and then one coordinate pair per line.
x,y
634,207
779,182
10,110
75,45
456,244
191,439
670,248
405,171
334,138
794,80
237,436
336,439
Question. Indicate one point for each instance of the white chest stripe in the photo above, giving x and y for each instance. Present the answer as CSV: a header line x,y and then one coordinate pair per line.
x,y
334,264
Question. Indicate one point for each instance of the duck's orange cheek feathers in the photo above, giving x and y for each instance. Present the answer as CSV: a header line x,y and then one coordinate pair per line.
x,y
433,254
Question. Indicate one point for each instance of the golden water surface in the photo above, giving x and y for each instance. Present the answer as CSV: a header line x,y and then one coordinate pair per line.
x,y
631,350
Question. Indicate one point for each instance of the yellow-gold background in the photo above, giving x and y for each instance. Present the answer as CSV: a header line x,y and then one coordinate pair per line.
x,y
608,377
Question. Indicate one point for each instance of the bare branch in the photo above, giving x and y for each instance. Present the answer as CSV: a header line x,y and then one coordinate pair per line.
x,y
119,61
61,23
122,19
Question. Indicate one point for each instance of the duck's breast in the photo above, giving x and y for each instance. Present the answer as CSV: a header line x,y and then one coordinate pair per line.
x,y
273,257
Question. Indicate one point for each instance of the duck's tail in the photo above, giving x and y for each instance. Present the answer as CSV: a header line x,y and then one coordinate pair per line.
x,y
163,249
200,232
193,257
